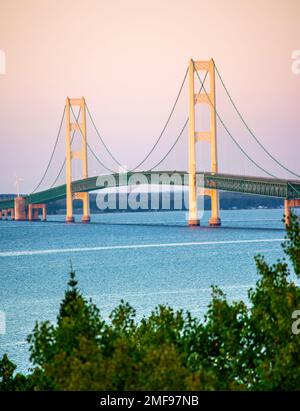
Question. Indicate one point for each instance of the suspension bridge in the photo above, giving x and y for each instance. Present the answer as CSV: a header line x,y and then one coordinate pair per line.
x,y
27,207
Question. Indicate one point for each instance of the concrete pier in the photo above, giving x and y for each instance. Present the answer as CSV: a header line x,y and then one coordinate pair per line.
x,y
44,212
20,209
215,222
288,204
86,219
33,212
12,213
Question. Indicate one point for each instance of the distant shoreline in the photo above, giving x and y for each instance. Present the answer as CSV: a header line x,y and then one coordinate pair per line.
x,y
228,201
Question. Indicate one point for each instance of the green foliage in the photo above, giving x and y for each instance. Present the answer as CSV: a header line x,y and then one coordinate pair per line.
x,y
234,347
78,325
9,381
7,369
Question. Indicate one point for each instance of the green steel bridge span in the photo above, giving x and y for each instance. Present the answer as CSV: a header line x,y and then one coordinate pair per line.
x,y
280,188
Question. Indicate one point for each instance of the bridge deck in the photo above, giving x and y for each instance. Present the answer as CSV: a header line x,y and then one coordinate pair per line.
x,y
270,187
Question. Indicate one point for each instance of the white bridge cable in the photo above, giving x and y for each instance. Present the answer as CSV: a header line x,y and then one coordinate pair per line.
x,y
89,147
149,153
100,137
227,130
53,151
159,137
64,162
181,132
163,158
250,131
99,161
162,133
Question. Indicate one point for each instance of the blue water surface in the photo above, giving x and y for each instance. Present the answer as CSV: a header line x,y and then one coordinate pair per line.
x,y
34,271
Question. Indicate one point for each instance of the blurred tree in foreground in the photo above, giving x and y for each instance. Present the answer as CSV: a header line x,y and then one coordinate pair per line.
x,y
236,346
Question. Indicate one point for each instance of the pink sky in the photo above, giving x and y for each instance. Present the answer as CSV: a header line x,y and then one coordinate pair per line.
x,y
128,58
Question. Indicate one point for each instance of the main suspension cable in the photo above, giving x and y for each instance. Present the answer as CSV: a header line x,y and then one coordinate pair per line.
x,y
53,151
101,139
90,148
181,132
64,162
249,129
174,144
227,130
99,161
159,137
166,124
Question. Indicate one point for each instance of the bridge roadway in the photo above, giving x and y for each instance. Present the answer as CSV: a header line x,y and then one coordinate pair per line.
x,y
271,187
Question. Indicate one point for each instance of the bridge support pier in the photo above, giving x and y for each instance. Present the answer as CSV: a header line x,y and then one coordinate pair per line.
x,y
70,219
197,136
44,212
288,204
12,213
84,197
214,220
20,209
33,212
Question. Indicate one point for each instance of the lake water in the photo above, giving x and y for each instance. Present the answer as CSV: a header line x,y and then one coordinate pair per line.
x,y
145,258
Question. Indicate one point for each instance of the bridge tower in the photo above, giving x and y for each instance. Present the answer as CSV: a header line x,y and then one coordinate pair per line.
x,y
208,136
81,154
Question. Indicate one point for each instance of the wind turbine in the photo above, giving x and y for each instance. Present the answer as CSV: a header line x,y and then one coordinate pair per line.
x,y
17,183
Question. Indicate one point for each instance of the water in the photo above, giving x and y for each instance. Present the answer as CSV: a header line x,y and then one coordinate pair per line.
x,y
130,256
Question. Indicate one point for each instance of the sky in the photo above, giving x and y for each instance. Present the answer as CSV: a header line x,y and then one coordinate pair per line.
x,y
128,58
